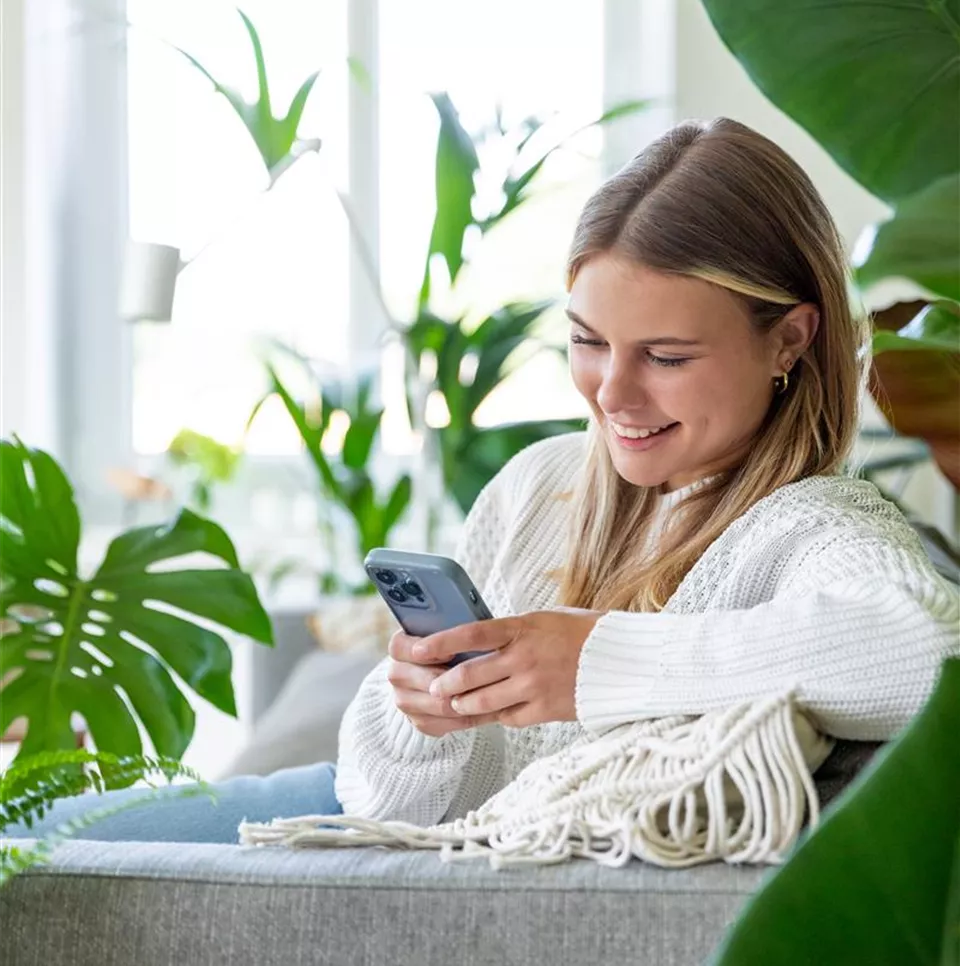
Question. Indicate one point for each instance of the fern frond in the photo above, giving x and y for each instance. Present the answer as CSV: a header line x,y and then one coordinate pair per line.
x,y
13,860
34,771
30,787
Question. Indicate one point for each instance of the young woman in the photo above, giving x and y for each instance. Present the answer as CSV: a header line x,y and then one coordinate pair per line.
x,y
699,546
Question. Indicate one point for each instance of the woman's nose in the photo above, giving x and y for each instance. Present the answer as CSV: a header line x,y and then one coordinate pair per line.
x,y
621,387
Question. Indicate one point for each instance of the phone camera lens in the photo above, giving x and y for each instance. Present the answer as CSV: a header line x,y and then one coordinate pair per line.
x,y
395,593
387,577
412,588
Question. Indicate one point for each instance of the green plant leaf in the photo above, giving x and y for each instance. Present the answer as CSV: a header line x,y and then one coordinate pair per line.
x,y
364,422
920,242
936,327
495,340
871,884
360,437
215,462
262,109
274,137
360,75
397,502
345,477
473,458
310,433
875,83
285,128
456,164
515,184
449,359
72,644
951,921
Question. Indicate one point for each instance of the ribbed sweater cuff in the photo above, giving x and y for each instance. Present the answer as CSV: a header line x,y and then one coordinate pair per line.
x,y
406,743
619,667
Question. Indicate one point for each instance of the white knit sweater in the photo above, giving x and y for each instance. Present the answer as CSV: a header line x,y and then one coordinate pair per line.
x,y
821,587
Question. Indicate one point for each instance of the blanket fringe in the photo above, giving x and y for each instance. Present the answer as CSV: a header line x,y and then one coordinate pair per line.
x,y
675,792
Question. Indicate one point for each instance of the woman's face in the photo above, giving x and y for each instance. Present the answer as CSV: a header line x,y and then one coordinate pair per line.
x,y
650,350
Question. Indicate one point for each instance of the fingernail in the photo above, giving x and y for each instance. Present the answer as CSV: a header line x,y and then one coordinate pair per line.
x,y
455,704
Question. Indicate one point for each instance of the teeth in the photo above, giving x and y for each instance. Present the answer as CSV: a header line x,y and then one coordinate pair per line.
x,y
630,432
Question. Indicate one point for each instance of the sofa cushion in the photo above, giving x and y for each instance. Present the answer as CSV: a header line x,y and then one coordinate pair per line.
x,y
301,725
157,904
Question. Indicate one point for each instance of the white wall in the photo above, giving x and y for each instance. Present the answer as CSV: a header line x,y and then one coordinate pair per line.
x,y
709,81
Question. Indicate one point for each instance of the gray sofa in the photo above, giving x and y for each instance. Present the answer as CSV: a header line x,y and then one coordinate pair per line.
x,y
151,904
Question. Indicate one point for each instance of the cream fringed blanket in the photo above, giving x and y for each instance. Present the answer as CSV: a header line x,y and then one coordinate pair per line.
x,y
732,785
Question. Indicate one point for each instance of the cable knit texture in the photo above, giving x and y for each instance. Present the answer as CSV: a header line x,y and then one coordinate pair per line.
x,y
822,589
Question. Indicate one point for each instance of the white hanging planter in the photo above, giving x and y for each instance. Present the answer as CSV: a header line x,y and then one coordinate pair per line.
x,y
149,282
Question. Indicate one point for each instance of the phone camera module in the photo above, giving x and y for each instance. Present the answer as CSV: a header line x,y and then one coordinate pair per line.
x,y
412,588
395,593
387,577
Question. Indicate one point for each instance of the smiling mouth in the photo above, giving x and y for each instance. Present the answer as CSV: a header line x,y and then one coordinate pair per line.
x,y
634,432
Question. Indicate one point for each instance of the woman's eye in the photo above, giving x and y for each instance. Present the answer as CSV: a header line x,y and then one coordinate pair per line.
x,y
666,361
580,340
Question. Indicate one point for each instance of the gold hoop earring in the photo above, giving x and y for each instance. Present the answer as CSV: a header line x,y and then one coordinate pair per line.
x,y
781,387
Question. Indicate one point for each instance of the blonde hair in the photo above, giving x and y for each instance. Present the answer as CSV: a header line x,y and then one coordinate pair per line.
x,y
717,201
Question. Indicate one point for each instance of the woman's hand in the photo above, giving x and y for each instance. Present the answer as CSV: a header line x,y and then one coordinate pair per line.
x,y
411,678
529,676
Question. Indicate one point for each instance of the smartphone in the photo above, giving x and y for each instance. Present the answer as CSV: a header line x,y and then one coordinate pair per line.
x,y
427,592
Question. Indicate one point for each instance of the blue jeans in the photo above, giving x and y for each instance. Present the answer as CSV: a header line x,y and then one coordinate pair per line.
x,y
305,790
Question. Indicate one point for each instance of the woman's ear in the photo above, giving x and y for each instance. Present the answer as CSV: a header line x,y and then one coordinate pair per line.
x,y
794,333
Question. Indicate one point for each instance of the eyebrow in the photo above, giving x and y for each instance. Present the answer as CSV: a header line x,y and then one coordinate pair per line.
x,y
662,340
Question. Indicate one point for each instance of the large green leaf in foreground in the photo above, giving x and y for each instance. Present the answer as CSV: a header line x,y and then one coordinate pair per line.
x,y
71,644
879,881
874,82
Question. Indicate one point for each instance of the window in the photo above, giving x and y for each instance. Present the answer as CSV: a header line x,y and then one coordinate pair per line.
x,y
259,264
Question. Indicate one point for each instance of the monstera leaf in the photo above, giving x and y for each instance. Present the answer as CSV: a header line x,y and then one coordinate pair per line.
x,y
107,646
